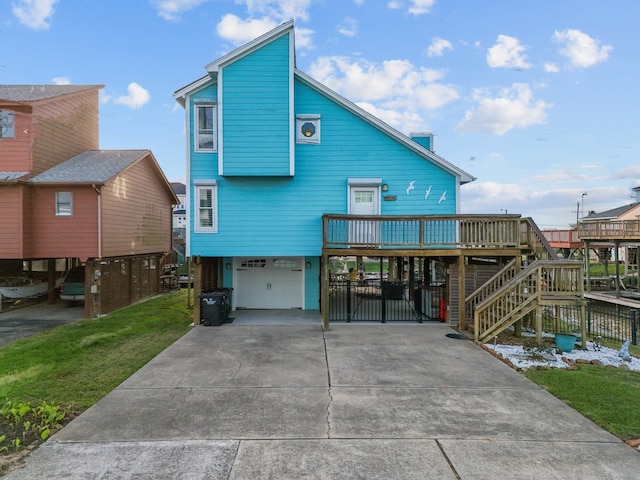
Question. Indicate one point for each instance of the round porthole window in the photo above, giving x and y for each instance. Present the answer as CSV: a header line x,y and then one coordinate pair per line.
x,y
308,129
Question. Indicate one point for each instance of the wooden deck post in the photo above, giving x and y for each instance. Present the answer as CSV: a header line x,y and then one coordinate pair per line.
x,y
197,288
462,313
324,292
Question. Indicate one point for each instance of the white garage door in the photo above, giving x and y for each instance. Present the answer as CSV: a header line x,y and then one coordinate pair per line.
x,y
268,282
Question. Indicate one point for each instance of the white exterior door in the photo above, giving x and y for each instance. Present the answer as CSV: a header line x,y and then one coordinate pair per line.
x,y
364,200
269,283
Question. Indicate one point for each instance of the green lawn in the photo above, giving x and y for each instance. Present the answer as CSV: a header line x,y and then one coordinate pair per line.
x,y
77,364
610,397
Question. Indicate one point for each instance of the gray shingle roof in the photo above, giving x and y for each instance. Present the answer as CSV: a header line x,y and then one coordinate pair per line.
x,y
11,176
613,213
92,166
30,93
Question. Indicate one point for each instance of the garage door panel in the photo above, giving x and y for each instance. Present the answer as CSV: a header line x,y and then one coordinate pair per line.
x,y
269,282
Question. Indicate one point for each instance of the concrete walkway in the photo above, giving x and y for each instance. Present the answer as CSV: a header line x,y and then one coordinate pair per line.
x,y
361,401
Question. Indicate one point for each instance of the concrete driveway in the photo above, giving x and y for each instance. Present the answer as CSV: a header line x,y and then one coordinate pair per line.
x,y
361,401
22,322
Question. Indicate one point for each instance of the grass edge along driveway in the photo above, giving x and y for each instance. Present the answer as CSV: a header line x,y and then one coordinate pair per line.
x,y
75,365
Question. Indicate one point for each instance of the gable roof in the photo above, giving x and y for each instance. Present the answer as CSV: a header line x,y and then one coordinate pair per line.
x,y
90,167
213,69
611,214
32,93
388,129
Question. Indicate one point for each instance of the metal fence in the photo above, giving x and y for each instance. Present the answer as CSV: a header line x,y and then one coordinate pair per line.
x,y
610,321
382,301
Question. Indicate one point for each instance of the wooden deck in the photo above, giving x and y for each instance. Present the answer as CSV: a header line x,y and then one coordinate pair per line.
x,y
432,235
620,230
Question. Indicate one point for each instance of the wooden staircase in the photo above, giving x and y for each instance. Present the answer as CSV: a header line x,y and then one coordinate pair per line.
x,y
515,292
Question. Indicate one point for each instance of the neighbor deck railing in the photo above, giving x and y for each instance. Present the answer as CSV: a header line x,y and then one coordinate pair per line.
x,y
617,229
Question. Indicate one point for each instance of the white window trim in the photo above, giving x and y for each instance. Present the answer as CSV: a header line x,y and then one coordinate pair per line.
x,y
59,212
213,186
197,104
301,119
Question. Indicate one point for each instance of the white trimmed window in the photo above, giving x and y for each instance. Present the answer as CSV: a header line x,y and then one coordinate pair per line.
x,y
7,127
205,127
308,128
64,204
206,204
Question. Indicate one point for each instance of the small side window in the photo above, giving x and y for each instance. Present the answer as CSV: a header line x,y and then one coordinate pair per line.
x,y
206,219
64,204
7,127
308,129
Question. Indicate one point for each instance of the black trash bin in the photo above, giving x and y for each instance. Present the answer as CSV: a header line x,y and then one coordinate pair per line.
x,y
214,308
227,301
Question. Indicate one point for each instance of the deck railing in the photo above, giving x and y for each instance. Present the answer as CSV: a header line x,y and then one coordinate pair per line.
x,y
542,282
616,229
422,232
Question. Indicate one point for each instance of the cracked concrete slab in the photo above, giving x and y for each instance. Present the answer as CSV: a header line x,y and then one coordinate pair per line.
x,y
202,413
322,459
211,460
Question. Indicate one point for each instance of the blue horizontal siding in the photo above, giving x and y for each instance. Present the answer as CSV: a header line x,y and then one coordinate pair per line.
x,y
283,216
256,112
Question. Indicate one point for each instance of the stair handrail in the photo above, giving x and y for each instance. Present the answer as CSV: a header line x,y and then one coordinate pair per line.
x,y
501,278
536,241
525,288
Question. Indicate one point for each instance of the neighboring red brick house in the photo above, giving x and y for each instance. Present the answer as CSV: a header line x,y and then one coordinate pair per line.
x,y
64,200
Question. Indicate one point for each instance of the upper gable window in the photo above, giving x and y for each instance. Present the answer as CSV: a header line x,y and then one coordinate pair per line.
x,y
308,128
64,204
7,127
205,131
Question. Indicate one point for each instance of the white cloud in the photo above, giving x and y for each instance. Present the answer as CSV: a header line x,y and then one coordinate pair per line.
x,y
34,14
394,5
419,7
173,9
237,30
136,97
264,15
61,81
581,50
507,53
279,10
438,46
348,27
514,107
395,90
551,67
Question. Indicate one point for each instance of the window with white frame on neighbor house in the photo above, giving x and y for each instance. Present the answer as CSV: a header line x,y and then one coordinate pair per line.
x,y
7,127
206,202
205,131
64,204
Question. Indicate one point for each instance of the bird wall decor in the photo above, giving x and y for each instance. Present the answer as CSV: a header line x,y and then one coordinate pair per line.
x,y
411,186
443,197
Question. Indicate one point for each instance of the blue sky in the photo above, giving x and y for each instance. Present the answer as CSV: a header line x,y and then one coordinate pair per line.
x,y
536,99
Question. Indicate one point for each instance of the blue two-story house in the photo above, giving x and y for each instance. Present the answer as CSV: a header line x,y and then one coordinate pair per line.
x,y
285,175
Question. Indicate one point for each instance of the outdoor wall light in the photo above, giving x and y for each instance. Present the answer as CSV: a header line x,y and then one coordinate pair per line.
x,y
308,265
228,266
385,187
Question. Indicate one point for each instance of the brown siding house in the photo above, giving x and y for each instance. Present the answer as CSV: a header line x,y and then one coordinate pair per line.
x,y
65,199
